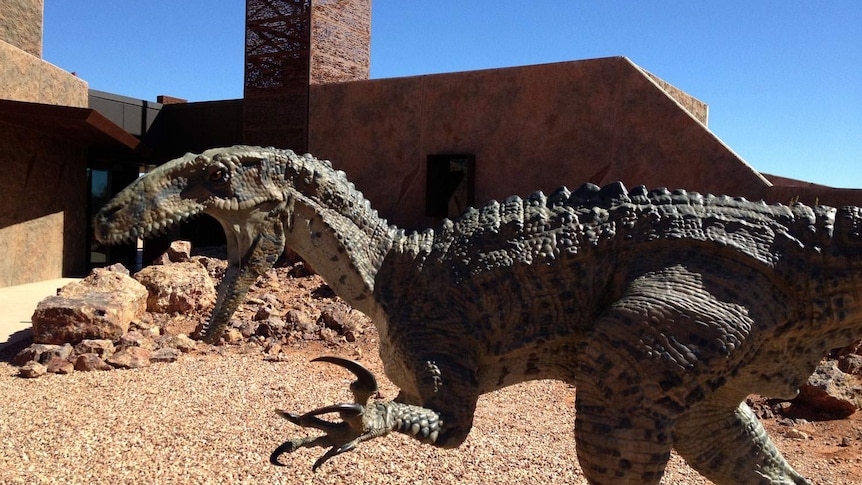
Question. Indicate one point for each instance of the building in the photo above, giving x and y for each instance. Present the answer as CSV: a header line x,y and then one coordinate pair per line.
x,y
420,147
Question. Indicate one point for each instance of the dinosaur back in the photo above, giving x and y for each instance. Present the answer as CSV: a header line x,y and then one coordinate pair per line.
x,y
543,229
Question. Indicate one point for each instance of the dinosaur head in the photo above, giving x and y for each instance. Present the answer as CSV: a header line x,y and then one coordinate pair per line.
x,y
215,182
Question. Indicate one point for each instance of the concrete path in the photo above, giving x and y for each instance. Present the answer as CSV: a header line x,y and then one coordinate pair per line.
x,y
16,308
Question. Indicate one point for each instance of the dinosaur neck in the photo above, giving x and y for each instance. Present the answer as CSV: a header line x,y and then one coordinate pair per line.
x,y
337,232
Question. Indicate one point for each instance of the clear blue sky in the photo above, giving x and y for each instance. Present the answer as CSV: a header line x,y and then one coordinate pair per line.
x,y
782,78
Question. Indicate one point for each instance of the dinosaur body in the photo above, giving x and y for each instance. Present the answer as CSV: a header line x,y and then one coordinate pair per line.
x,y
665,309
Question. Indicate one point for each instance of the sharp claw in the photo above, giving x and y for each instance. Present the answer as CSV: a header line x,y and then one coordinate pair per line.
x,y
286,447
340,437
348,410
349,446
365,385
286,415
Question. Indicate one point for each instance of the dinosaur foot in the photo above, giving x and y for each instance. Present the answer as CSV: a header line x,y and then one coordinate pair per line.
x,y
339,437
359,421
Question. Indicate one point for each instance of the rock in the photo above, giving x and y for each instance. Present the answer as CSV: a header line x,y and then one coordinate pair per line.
x,y
850,364
182,324
178,288
180,342
795,434
272,327
165,354
233,336
830,391
117,268
59,366
215,267
177,252
330,336
263,313
136,339
247,329
42,353
273,348
90,362
130,358
101,347
32,370
270,299
343,319
301,321
100,306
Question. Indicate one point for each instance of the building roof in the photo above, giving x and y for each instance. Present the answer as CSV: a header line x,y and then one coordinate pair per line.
x,y
80,124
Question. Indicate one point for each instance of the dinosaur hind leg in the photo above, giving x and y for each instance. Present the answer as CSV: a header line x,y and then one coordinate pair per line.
x,y
731,447
619,446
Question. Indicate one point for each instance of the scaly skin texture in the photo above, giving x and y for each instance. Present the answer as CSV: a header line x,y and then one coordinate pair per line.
x,y
665,309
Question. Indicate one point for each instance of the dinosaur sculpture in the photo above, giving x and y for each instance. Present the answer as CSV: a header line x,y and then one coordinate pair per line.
x,y
665,309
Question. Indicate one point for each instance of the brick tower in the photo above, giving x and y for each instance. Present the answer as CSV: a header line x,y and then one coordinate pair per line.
x,y
290,45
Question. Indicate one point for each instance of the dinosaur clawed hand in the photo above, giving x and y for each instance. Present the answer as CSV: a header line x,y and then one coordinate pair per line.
x,y
359,421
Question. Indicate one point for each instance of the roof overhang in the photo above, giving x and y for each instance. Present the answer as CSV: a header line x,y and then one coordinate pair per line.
x,y
79,124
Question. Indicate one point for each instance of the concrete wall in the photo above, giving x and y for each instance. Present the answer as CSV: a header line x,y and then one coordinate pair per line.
x,y
530,128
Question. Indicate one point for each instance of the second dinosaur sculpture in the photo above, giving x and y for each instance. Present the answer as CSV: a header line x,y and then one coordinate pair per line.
x,y
665,309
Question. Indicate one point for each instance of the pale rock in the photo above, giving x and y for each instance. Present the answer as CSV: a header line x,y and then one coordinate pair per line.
x,y
178,288
100,306
831,391
182,324
177,252
32,370
233,336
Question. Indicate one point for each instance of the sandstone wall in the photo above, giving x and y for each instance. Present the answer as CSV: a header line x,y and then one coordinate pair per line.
x,y
21,25
530,128
43,202
43,191
25,77
340,41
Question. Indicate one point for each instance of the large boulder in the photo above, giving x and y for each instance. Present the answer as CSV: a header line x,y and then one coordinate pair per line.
x,y
100,306
831,391
178,287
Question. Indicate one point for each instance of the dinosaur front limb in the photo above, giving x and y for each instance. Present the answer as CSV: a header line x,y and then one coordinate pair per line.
x,y
360,421
246,264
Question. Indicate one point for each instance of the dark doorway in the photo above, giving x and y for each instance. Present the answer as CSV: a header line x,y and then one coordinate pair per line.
x,y
450,186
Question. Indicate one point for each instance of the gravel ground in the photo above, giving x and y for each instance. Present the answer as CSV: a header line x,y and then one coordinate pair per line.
x,y
209,419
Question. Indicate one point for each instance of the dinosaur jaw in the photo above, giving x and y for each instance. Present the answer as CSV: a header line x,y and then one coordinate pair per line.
x,y
125,221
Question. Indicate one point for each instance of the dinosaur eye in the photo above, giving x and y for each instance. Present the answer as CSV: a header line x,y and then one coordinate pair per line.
x,y
218,175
